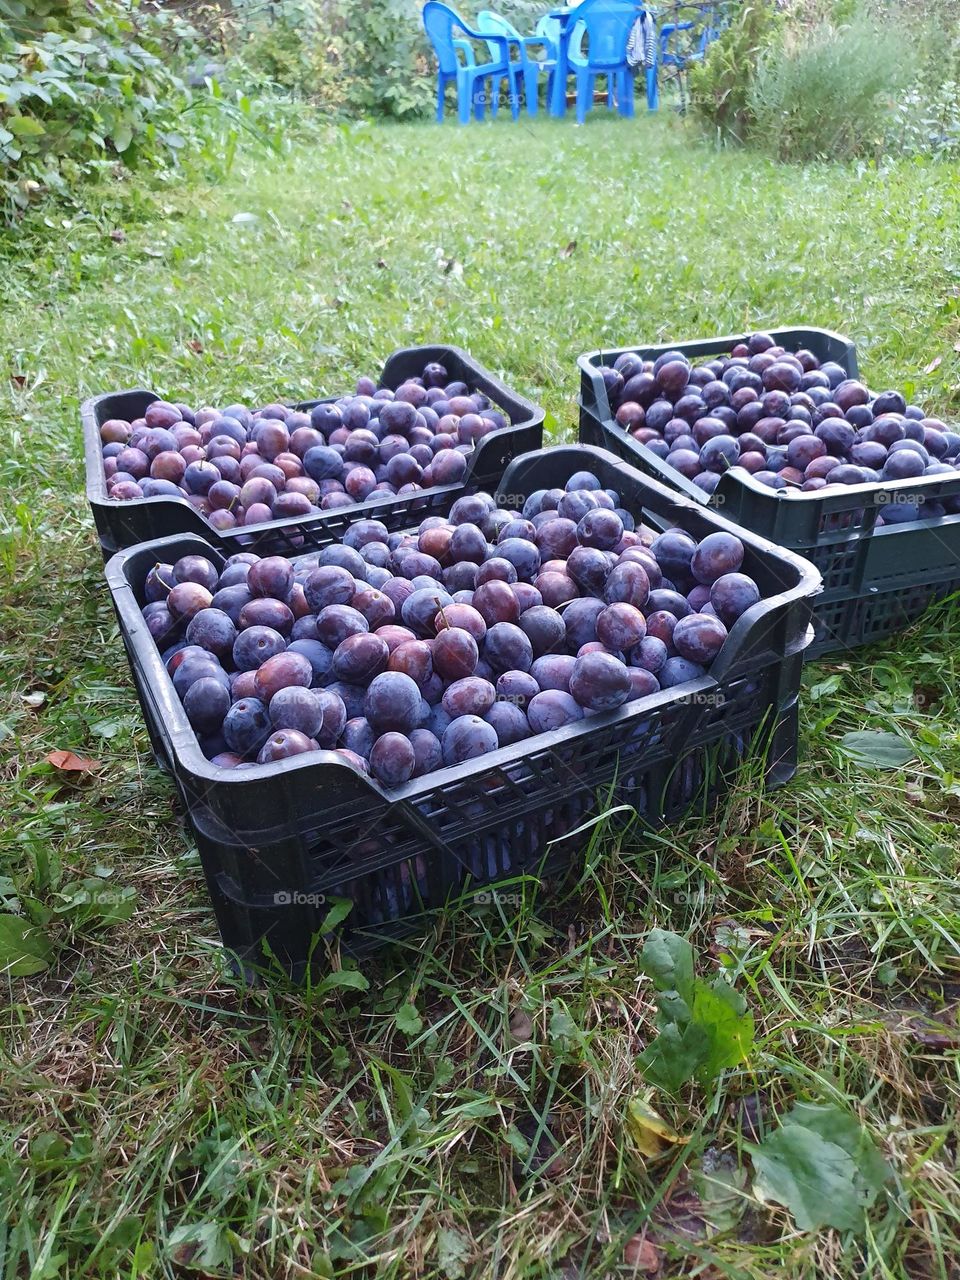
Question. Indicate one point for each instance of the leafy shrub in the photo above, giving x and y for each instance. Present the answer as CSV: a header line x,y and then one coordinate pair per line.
x,y
71,102
720,85
289,45
927,116
85,89
386,57
927,121
831,95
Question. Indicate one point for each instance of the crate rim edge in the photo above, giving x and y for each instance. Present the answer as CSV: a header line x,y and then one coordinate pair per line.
x,y
172,719
588,365
870,489
96,480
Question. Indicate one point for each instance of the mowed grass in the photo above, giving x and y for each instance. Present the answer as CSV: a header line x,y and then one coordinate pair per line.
x,y
158,1119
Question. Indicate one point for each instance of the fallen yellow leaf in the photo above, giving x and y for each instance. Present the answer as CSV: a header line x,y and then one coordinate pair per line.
x,y
649,1130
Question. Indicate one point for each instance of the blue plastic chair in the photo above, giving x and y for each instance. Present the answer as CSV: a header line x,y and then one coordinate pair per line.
x,y
670,52
530,66
440,23
606,24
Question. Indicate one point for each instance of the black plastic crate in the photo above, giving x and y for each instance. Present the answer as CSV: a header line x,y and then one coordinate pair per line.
x,y
124,524
875,580
311,827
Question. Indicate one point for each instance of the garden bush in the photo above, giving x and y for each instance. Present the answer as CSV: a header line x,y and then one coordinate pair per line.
x,y
352,57
831,94
386,58
80,90
720,85
927,116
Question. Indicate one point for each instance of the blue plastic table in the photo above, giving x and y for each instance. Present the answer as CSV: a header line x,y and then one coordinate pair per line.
x,y
567,17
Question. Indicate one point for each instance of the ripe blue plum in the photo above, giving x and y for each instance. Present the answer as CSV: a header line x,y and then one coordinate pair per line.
x,y
413,658
556,588
553,671
393,759
282,744
296,708
716,554
732,595
230,600
427,751
599,681
317,654
267,612
392,703
187,599
602,529
495,602
159,582
553,709
509,721
545,628
280,672
679,671
508,648
337,621
246,726
556,538
699,638
212,629
628,583
466,738
589,567
358,736
334,712
472,696
206,703
272,576
620,627
419,610
580,621
254,645
360,657
642,683
650,654
517,687
455,652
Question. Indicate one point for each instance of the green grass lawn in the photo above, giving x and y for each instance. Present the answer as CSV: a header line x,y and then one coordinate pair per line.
x,y
158,1119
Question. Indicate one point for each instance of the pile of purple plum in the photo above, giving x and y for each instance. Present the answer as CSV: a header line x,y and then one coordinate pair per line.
x,y
407,652
793,423
240,467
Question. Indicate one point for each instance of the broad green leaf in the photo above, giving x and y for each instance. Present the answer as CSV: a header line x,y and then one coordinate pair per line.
x,y
349,979
674,1057
453,1252
721,1015
844,1129
340,908
877,750
824,687
25,126
562,1027
812,1177
23,949
47,1146
704,1027
667,959
720,1186
202,1246
408,1020
823,1166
